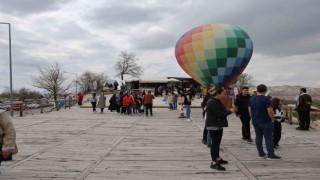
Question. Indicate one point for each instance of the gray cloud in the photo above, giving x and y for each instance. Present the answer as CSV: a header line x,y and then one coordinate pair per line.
x,y
122,15
155,40
83,35
289,70
21,7
280,27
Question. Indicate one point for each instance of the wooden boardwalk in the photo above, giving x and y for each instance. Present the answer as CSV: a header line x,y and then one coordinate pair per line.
x,y
76,144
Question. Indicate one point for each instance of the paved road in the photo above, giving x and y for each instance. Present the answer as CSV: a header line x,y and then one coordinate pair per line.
x,y
76,144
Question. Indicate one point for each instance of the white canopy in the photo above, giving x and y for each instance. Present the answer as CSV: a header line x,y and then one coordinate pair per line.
x,y
130,79
158,80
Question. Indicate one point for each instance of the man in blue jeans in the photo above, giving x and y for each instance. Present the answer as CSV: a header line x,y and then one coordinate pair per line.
x,y
187,103
262,115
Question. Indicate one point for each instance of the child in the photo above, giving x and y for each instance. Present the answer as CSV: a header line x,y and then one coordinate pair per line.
x,y
277,123
180,102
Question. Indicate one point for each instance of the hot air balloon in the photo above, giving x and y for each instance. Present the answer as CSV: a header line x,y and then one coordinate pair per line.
x,y
214,54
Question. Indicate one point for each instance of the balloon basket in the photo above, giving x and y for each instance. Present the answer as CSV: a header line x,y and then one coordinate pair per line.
x,y
227,102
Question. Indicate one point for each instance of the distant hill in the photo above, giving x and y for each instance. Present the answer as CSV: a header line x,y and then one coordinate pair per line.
x,y
290,92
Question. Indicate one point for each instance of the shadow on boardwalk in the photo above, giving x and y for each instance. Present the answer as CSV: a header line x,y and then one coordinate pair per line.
x,y
76,144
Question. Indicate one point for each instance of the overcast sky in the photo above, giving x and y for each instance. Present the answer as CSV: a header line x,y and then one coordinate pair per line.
x,y
86,35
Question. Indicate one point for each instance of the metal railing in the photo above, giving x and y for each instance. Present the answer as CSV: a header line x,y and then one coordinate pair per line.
x,y
23,108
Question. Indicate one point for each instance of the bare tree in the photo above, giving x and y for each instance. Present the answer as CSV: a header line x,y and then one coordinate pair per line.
x,y
101,79
245,80
21,94
87,78
51,78
127,65
85,81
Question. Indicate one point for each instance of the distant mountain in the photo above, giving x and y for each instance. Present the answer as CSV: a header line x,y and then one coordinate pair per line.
x,y
290,92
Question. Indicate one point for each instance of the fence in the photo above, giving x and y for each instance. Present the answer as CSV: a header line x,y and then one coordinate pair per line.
x,y
23,108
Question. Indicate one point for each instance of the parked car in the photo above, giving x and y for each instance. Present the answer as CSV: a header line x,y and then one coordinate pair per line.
x,y
17,107
43,101
5,107
33,105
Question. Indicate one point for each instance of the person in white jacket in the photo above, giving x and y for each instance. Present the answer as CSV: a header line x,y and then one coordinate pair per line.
x,y
277,127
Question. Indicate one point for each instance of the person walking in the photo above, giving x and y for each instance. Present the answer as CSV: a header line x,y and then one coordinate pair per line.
x,y
170,100
115,84
69,101
175,101
93,101
102,103
80,98
276,106
241,102
187,103
261,112
8,144
304,108
122,107
216,120
113,103
138,102
148,102
128,103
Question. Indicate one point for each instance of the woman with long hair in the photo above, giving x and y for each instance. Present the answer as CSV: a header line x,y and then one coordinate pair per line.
x,y
277,127
215,121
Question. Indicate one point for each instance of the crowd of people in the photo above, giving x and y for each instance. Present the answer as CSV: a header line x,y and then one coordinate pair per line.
x,y
128,103
259,109
264,112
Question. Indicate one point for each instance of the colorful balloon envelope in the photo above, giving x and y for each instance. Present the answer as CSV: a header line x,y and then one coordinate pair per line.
x,y
215,54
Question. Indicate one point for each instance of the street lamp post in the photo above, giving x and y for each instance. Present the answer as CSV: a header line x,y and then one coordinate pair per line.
x,y
76,80
10,62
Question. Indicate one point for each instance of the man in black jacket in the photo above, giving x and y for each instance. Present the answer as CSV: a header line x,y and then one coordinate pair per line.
x,y
241,102
303,108
216,120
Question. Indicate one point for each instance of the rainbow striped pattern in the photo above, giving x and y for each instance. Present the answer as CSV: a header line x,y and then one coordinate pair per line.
x,y
215,54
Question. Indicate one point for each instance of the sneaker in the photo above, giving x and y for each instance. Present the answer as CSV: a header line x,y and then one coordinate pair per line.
x,y
263,156
221,161
188,119
204,142
209,145
300,128
249,141
273,157
217,166
244,138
